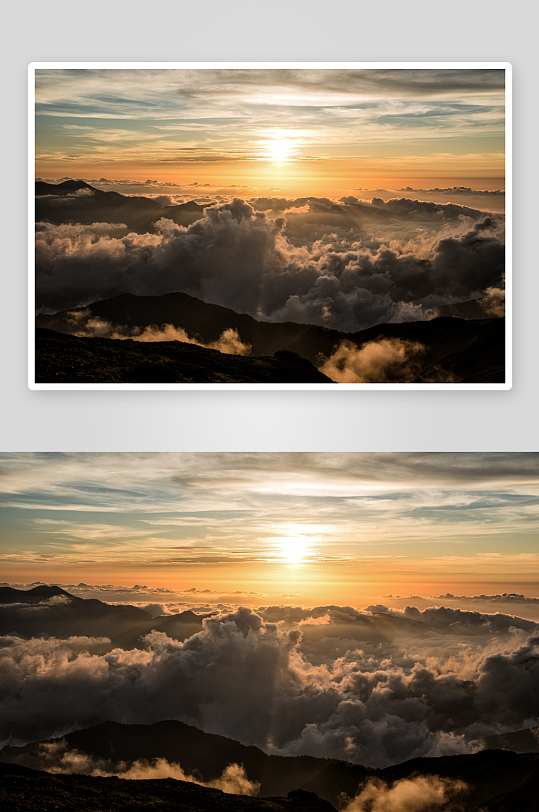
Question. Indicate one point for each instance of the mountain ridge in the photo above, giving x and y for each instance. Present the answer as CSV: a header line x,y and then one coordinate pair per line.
x,y
495,780
453,348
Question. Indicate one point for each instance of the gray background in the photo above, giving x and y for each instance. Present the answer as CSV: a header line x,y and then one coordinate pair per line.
x,y
268,30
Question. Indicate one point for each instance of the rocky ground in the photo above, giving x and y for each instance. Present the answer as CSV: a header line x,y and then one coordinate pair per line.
x,y
67,359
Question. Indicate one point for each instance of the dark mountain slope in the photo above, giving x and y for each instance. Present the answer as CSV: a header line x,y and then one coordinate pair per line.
x,y
197,318
499,781
22,789
469,351
496,780
203,754
519,741
66,359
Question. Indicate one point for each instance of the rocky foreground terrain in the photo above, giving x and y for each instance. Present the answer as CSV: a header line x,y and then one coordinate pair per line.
x,y
454,349
490,781
62,358
22,789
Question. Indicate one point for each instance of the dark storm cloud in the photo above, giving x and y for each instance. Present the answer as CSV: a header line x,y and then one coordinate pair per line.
x,y
249,679
243,259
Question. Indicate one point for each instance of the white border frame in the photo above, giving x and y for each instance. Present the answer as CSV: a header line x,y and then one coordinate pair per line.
x,y
506,66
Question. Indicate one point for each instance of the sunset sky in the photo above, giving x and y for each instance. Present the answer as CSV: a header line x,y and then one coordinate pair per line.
x,y
305,527
282,131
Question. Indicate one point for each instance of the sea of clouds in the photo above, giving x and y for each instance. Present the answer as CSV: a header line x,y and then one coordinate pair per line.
x,y
374,686
346,265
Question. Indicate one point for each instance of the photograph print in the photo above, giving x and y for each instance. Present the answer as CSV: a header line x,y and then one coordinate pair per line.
x,y
276,226
269,632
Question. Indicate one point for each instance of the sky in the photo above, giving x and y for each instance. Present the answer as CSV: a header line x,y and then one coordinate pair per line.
x,y
279,131
295,528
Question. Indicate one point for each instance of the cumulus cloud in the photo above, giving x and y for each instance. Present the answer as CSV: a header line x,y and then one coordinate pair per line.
x,y
379,692
164,200
493,303
229,342
156,609
330,267
419,794
390,360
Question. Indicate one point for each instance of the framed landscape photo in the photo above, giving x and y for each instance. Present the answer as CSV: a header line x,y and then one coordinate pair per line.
x,y
258,632
270,225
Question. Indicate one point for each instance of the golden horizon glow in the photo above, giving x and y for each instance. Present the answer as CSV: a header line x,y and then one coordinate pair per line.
x,y
323,527
246,127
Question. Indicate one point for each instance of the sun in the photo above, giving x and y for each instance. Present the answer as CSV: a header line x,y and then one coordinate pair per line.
x,y
280,149
294,548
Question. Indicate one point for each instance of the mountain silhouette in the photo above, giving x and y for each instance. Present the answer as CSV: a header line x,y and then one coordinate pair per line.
x,y
67,359
59,203
496,780
123,624
467,351
25,789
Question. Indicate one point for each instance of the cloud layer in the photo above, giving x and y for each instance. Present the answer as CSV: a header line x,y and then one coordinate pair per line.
x,y
322,263
333,682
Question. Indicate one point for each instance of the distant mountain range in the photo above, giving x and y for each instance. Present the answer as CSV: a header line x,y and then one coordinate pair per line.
x,y
496,780
64,615
519,741
77,201
468,351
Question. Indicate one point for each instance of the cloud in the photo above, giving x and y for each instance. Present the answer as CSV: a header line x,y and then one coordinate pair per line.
x,y
445,616
156,609
493,304
229,342
463,190
343,273
386,361
58,758
419,794
504,597
381,690
164,200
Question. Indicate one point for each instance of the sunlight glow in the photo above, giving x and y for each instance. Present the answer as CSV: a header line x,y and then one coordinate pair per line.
x,y
294,549
280,149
